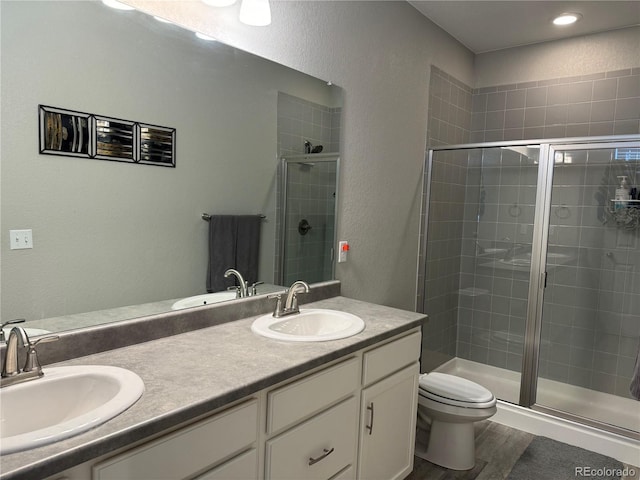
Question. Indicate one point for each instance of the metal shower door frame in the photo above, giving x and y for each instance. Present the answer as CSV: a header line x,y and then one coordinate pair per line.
x,y
282,199
537,274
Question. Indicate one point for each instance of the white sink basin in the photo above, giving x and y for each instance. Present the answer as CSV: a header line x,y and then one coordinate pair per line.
x,y
206,299
65,402
310,325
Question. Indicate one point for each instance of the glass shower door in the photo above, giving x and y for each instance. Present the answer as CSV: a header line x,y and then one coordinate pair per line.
x,y
590,326
309,213
480,231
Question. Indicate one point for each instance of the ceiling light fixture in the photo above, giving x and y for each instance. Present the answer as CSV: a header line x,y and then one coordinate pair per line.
x,y
566,19
256,13
117,5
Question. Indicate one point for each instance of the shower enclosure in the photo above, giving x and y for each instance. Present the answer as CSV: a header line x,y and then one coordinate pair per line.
x,y
307,213
530,274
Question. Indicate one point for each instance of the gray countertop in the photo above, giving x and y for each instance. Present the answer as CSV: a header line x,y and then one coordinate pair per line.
x,y
193,373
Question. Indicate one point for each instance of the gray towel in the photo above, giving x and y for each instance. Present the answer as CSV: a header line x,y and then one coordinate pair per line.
x,y
634,388
234,242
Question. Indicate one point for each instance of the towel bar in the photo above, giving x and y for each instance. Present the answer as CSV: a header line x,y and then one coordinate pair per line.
x,y
207,217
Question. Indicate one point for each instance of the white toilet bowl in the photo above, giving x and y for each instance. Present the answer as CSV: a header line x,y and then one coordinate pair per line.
x,y
452,404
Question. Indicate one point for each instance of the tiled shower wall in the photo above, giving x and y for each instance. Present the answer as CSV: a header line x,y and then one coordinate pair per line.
x,y
449,122
300,120
606,103
313,189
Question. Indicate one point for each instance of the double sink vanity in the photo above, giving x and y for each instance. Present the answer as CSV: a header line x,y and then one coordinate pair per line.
x,y
224,391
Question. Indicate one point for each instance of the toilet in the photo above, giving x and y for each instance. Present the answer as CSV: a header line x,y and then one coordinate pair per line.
x,y
451,405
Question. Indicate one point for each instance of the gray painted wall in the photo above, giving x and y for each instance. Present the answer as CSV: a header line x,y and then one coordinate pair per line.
x,y
602,52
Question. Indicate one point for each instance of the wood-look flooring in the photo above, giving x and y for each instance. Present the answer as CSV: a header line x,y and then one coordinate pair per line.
x,y
498,448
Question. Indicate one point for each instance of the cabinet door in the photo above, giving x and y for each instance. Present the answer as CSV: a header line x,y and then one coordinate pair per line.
x,y
186,451
388,426
242,467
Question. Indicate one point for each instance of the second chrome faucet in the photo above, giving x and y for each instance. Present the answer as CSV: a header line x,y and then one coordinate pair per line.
x,y
291,301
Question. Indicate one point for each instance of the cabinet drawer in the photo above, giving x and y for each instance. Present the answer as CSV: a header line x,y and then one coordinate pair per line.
x,y
186,451
242,467
318,448
290,403
391,357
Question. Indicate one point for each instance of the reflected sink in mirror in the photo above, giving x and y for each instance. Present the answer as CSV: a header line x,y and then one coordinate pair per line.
x,y
206,299
524,260
65,402
31,332
310,325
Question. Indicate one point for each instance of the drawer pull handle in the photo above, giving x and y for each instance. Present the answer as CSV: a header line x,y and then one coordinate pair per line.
x,y
324,455
370,426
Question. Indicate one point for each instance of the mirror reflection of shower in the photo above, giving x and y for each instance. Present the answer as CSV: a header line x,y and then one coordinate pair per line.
x,y
307,213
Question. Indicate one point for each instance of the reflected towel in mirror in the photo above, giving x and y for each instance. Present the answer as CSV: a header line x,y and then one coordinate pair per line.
x,y
234,242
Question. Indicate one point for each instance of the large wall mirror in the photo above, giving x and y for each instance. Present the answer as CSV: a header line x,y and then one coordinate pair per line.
x,y
108,237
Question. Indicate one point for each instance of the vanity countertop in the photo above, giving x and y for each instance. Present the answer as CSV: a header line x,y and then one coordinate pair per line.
x,y
190,374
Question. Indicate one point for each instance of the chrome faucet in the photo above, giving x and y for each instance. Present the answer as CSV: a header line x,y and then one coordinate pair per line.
x,y
242,289
11,373
291,302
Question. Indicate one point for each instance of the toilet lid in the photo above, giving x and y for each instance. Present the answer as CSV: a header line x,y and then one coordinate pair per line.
x,y
454,388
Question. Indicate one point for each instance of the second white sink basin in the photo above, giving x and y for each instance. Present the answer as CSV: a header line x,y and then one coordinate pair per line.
x,y
310,325
65,402
206,299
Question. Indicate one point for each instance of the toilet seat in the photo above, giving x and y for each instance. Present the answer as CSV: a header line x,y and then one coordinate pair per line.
x,y
456,391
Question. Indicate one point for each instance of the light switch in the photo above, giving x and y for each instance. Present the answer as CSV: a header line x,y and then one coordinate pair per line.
x,y
21,239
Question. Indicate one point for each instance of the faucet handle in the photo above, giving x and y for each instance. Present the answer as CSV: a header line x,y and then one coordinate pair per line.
x,y
254,290
10,322
278,310
32,362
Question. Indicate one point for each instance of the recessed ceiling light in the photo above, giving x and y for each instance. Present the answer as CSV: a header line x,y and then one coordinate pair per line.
x,y
567,19
117,5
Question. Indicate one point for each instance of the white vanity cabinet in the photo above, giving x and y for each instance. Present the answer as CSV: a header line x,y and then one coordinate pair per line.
x,y
388,409
317,416
353,419
194,450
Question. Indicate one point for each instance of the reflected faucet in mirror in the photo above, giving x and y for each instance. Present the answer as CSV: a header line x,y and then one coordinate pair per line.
x,y
10,322
242,289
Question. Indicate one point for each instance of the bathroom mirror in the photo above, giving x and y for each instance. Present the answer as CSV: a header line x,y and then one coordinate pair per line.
x,y
114,241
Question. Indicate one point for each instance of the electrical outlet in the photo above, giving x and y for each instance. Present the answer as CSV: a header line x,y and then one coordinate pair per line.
x,y
343,248
21,239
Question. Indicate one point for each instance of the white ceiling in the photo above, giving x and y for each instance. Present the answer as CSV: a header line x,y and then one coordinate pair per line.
x,y
483,26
